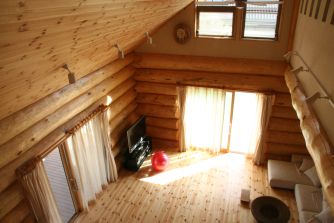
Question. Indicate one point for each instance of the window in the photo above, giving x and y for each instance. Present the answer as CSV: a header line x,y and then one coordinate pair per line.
x,y
256,19
59,182
261,21
215,20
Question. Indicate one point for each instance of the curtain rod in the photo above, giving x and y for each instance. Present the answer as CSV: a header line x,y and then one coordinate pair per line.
x,y
81,123
326,96
226,89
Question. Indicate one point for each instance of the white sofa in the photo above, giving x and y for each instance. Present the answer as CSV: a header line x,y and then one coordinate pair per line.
x,y
301,176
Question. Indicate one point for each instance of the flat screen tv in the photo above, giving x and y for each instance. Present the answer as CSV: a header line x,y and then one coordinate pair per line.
x,y
136,132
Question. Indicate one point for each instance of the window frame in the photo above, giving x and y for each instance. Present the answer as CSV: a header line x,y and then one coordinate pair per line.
x,y
278,22
239,22
218,9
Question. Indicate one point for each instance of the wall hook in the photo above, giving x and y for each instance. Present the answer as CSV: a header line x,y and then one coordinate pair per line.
x,y
70,76
149,38
120,51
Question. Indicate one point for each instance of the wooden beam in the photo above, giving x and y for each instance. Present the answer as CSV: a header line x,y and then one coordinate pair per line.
x,y
210,64
283,112
119,132
162,133
10,198
286,137
154,88
157,99
167,123
316,139
122,115
163,144
23,119
285,149
22,142
235,81
283,100
7,173
286,125
158,111
18,213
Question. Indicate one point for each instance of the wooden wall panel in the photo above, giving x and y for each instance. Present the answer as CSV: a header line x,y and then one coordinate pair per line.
x,y
158,76
17,214
211,64
116,86
167,123
247,82
18,122
10,198
38,37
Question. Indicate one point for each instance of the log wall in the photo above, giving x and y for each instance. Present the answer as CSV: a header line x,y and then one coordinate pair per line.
x,y
43,123
159,75
37,102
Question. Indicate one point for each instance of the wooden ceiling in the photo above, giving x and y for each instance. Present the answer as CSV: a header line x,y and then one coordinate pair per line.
x,y
38,37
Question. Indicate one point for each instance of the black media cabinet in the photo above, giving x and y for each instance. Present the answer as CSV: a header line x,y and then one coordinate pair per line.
x,y
135,158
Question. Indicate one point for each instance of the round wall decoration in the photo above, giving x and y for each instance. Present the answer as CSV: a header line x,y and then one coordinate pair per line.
x,y
182,33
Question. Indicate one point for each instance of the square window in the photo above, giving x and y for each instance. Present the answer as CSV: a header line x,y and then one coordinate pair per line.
x,y
261,20
215,24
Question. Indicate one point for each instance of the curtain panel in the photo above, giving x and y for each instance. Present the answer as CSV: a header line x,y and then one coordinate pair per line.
x,y
265,103
203,118
38,192
91,157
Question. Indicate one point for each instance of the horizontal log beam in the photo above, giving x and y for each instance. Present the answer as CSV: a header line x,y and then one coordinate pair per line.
x,y
119,132
317,142
167,123
162,133
23,119
10,198
163,144
283,100
123,114
235,81
7,173
286,125
285,137
154,88
22,142
200,63
285,149
158,111
157,99
17,214
283,112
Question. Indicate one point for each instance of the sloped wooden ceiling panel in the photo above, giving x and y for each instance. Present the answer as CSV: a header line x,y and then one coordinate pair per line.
x,y
38,37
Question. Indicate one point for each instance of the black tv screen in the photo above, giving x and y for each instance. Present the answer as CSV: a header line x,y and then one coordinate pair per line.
x,y
135,132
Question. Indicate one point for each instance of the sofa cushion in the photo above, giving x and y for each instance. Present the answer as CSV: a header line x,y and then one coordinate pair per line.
x,y
325,216
306,164
312,174
286,175
306,216
308,198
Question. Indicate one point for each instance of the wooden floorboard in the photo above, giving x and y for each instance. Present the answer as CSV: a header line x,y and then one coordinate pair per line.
x,y
196,187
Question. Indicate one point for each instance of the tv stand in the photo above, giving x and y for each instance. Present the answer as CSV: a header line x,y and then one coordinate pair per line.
x,y
139,152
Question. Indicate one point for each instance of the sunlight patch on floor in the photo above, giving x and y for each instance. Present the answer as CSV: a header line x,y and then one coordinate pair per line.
x,y
176,173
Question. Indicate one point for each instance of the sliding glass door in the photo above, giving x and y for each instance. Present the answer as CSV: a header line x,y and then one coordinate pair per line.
x,y
218,120
244,123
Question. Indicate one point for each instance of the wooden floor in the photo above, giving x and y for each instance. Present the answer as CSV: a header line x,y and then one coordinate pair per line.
x,y
196,187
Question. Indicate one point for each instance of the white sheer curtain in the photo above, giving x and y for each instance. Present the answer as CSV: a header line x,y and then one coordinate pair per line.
x,y
203,118
91,158
38,191
112,174
265,103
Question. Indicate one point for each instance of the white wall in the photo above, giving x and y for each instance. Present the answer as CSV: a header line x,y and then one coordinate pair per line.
x,y
314,40
163,40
